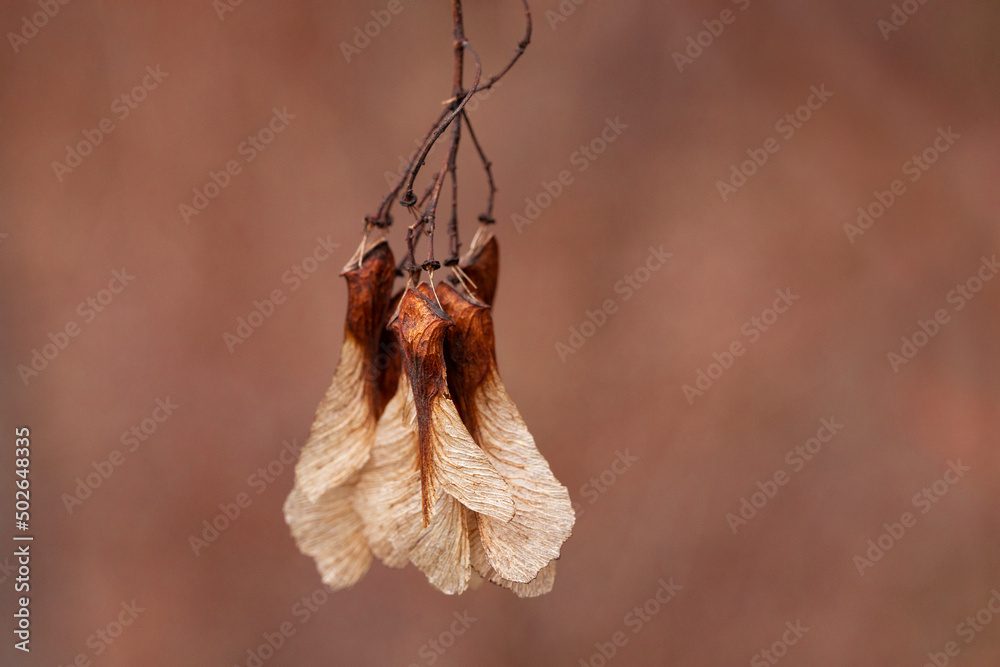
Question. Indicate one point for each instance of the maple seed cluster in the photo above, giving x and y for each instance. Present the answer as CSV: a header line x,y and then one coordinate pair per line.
x,y
426,460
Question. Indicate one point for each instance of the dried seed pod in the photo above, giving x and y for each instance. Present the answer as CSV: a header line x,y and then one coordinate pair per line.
x,y
387,496
385,366
442,550
482,265
481,565
341,436
520,548
388,499
449,458
330,532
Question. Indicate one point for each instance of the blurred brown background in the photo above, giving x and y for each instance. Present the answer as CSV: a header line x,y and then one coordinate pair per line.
x,y
655,184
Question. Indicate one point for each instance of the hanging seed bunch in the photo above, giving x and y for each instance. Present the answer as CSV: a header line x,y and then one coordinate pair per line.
x,y
417,453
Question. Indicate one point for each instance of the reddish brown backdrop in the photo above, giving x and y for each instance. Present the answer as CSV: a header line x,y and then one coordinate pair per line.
x,y
679,132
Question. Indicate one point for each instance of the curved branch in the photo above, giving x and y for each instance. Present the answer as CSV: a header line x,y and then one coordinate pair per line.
x,y
486,217
521,46
409,199
381,216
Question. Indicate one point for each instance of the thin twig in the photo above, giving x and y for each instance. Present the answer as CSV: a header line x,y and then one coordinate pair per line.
x,y
430,189
408,196
459,34
521,46
430,215
453,241
486,217
425,222
383,210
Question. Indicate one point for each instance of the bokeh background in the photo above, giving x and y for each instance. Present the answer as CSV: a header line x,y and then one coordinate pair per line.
x,y
665,516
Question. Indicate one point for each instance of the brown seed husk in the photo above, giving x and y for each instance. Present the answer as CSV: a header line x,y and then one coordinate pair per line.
x,y
386,364
449,458
482,265
342,433
520,548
